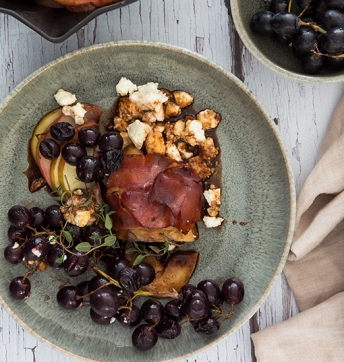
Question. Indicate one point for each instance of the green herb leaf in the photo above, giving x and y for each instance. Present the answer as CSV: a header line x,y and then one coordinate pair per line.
x,y
60,260
110,240
131,251
86,203
108,222
155,249
68,237
139,259
84,247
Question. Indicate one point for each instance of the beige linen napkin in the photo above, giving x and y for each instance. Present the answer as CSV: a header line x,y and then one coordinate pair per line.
x,y
315,267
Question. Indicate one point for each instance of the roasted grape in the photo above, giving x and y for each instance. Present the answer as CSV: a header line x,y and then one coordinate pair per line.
x,y
13,254
87,169
144,337
152,311
69,297
233,291
62,131
36,247
54,217
76,263
72,152
146,273
104,302
196,304
130,316
19,216
49,149
207,325
20,287
89,137
212,290
110,141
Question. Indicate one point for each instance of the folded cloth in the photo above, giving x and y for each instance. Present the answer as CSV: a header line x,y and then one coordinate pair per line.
x,y
315,267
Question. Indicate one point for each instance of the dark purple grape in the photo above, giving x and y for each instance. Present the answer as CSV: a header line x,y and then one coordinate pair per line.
x,y
306,3
260,23
152,311
62,131
312,63
38,220
13,254
146,273
95,235
96,282
285,23
18,235
87,169
320,8
333,41
111,141
129,280
54,217
207,325
130,317
83,287
36,247
104,302
279,6
174,310
335,4
185,291
233,291
76,263
212,290
117,266
168,328
54,256
332,18
69,297
144,337
111,161
305,40
99,319
196,305
19,216
89,137
72,152
49,149
334,64
20,288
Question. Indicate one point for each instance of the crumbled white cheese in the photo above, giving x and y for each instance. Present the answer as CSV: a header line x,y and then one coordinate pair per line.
x,y
77,112
149,98
194,132
137,132
213,197
15,245
172,151
64,98
125,86
212,221
208,118
36,252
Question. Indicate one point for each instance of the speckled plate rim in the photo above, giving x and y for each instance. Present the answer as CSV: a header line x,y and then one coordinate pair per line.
x,y
313,79
273,127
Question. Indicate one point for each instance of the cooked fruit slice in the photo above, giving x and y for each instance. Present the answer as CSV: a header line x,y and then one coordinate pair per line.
x,y
54,175
177,273
41,128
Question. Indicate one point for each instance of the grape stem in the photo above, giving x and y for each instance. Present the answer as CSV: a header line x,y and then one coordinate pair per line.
x,y
319,53
289,5
314,26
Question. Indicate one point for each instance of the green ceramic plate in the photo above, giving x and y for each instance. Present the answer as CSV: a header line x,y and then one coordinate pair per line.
x,y
274,55
257,190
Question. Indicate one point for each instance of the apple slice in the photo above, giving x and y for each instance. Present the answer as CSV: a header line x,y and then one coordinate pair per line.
x,y
54,175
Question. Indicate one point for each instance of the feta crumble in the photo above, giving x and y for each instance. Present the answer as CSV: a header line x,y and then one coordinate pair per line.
x,y
213,197
125,86
64,98
212,221
194,132
77,112
137,132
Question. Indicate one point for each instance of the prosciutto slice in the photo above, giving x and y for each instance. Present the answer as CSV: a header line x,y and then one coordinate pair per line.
x,y
154,192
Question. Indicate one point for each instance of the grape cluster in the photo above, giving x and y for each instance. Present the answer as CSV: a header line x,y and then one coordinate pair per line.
x,y
315,31
41,239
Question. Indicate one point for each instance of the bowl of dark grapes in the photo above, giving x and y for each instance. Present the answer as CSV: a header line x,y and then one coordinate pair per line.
x,y
302,40
143,219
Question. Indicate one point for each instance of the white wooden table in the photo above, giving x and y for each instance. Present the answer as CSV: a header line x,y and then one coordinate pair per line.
x,y
204,26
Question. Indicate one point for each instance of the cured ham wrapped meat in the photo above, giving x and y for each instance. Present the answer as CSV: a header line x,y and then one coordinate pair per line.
x,y
154,197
